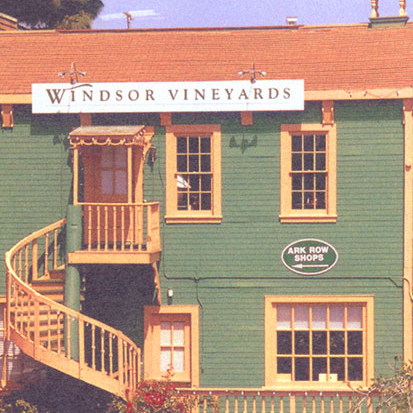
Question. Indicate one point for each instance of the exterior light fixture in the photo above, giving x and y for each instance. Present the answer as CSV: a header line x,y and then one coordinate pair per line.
x,y
152,155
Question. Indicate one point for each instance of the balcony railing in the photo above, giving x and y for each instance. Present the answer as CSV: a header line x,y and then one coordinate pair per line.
x,y
276,401
121,227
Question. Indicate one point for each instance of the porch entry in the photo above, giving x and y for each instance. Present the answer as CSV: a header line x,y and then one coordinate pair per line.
x,y
112,159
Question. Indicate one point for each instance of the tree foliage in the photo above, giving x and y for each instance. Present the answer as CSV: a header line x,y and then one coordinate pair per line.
x,y
395,390
53,14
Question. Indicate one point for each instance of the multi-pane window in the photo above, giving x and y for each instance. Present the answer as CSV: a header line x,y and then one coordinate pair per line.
x,y
114,177
193,174
195,177
171,347
318,341
308,173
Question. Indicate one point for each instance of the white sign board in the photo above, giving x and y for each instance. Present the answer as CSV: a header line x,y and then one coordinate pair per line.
x,y
220,96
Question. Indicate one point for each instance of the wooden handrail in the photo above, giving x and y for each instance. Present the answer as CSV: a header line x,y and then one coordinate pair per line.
x,y
42,327
260,400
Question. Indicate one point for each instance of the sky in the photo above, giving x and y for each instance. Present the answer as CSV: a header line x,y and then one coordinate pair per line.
x,y
235,13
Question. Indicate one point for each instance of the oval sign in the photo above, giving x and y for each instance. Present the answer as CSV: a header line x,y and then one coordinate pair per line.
x,y
309,256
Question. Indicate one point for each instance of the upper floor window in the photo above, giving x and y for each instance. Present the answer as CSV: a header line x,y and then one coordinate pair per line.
x,y
321,340
193,174
308,173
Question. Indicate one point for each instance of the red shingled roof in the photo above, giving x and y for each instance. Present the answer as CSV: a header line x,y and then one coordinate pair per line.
x,y
353,57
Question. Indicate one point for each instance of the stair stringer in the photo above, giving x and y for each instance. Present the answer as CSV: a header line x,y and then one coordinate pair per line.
x,y
44,329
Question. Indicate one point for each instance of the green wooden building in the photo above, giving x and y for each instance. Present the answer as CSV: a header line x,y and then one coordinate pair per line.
x,y
230,208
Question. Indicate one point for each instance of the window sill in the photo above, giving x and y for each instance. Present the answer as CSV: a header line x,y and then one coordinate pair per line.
x,y
302,219
193,219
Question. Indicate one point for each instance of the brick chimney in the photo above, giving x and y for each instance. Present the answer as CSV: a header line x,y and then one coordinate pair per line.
x,y
7,22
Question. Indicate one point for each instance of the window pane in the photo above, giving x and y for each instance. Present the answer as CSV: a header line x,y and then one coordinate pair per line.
x,y
297,181
319,367
297,200
308,200
166,333
320,181
178,360
283,317
193,163
319,342
320,162
320,200
302,342
296,162
302,369
193,145
309,181
107,182
181,145
355,369
205,202
320,143
336,317
354,317
296,143
309,143
194,201
319,317
337,342
205,182
121,182
194,182
107,157
206,145
178,336
165,359
355,342
205,163
301,316
182,202
182,164
337,367
120,156
308,162
284,365
284,342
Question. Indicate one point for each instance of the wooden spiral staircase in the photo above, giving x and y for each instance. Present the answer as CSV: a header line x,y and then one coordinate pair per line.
x,y
45,329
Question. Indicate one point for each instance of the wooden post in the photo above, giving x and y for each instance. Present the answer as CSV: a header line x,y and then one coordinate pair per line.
x,y
75,175
402,11
408,231
130,174
374,8
35,254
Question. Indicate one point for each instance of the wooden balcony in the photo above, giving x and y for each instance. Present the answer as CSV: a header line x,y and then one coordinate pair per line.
x,y
119,234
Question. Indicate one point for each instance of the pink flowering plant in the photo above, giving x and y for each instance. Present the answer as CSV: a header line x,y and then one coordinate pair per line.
x,y
153,396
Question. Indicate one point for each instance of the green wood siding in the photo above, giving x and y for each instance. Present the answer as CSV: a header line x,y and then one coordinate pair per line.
x,y
235,264
35,176
227,269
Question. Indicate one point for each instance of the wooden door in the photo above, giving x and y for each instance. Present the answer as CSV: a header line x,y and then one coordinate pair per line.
x,y
107,218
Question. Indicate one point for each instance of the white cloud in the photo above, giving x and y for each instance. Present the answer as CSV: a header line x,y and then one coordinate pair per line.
x,y
134,13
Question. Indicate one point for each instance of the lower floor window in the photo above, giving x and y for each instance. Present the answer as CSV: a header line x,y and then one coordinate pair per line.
x,y
171,348
318,339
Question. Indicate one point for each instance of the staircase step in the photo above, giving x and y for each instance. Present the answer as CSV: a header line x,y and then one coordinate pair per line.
x,y
57,274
